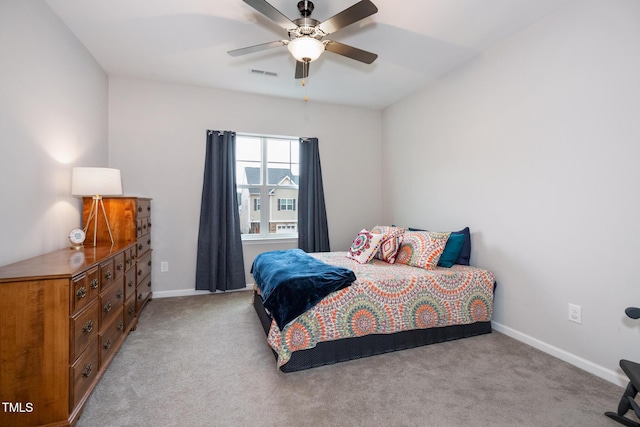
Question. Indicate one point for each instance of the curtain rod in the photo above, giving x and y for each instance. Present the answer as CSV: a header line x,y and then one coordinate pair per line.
x,y
302,138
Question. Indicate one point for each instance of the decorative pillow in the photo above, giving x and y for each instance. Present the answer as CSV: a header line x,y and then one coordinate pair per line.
x,y
451,250
364,246
464,256
465,253
422,248
390,244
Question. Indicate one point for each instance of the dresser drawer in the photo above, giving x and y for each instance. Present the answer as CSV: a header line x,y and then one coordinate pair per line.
x,y
84,329
129,310
129,283
144,266
109,338
143,208
130,257
143,226
144,244
107,274
85,288
144,290
82,373
110,302
119,266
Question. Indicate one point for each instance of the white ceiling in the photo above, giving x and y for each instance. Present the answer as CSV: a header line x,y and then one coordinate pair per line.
x,y
185,41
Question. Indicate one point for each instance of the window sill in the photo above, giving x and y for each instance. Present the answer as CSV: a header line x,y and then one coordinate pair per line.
x,y
268,240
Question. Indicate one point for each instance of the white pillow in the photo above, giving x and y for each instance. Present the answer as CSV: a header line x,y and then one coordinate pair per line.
x,y
364,246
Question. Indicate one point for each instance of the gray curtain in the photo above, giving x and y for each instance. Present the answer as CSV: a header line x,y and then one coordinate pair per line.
x,y
220,264
313,232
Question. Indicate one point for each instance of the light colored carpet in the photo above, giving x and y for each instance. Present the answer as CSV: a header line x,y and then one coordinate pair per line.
x,y
204,361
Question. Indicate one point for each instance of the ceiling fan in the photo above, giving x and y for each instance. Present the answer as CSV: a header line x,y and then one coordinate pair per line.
x,y
305,34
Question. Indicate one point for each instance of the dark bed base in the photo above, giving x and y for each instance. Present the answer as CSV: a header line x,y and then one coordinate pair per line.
x,y
328,352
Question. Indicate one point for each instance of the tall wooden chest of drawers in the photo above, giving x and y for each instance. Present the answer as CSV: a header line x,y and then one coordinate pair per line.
x,y
130,222
62,319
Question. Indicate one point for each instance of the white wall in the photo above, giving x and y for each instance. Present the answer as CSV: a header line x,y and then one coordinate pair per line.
x,y
53,116
157,134
535,145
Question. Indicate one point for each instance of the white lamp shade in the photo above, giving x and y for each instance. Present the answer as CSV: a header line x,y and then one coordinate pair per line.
x,y
305,48
96,181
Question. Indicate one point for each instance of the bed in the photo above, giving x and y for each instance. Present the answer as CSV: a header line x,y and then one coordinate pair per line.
x,y
388,307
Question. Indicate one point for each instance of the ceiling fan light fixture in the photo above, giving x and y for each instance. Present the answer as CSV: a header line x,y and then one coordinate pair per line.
x,y
306,49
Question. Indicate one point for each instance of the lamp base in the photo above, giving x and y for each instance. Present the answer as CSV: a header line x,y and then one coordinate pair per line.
x,y
93,214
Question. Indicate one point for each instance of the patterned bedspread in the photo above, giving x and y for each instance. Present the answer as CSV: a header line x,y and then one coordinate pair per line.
x,y
388,298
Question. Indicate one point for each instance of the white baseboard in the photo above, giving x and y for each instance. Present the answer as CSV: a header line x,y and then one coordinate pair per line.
x,y
570,358
190,292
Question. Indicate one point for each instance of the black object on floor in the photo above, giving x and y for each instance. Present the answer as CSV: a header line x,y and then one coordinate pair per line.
x,y
627,401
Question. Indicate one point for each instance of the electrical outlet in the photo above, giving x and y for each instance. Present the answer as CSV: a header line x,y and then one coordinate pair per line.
x,y
164,266
575,314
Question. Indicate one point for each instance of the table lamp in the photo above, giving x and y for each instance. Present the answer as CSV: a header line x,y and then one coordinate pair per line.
x,y
96,182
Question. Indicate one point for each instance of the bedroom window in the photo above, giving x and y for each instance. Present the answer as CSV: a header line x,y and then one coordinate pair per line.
x,y
267,173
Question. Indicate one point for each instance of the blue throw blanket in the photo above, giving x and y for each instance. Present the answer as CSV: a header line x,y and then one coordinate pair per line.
x,y
291,282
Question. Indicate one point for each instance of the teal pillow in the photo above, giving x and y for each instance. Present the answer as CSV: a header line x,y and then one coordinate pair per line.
x,y
451,250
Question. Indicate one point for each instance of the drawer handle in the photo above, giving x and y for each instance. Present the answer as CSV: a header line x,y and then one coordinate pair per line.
x,y
139,208
130,284
119,294
82,292
120,326
88,327
87,371
107,344
139,296
139,228
139,247
149,225
149,284
148,208
120,266
139,272
94,284
144,227
108,274
149,242
128,261
107,307
149,263
132,310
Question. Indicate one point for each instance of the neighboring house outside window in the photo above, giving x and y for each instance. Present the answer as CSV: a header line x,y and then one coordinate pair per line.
x,y
267,173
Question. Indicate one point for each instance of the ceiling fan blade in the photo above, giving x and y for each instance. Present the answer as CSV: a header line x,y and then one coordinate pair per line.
x,y
350,52
257,48
302,70
348,16
272,13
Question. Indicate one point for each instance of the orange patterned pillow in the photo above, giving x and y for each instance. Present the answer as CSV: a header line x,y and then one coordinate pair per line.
x,y
390,244
422,248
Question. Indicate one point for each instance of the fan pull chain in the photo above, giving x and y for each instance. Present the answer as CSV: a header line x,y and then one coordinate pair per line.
x,y
304,85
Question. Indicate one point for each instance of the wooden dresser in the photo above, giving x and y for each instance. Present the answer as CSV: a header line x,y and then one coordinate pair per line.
x,y
62,320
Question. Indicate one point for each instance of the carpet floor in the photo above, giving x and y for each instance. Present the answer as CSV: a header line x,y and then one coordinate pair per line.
x,y
204,361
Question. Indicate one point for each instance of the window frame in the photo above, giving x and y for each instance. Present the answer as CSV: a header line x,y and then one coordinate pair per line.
x,y
264,188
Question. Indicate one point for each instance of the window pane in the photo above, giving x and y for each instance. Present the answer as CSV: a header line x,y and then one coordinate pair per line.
x,y
283,217
249,207
248,161
283,162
